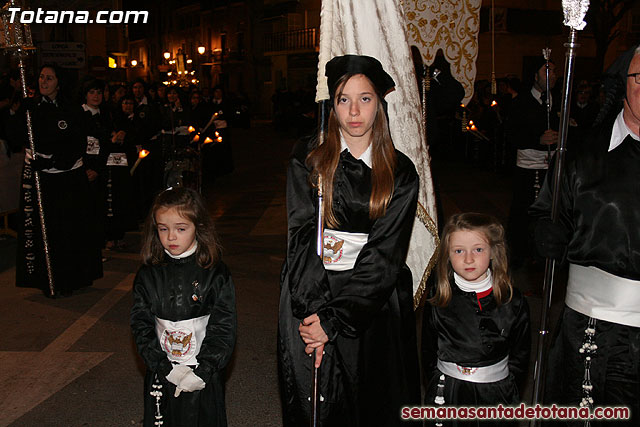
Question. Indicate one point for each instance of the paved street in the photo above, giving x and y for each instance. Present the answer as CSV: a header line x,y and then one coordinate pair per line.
x,y
72,362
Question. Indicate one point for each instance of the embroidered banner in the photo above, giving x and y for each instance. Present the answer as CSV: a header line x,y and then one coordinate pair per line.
x,y
450,25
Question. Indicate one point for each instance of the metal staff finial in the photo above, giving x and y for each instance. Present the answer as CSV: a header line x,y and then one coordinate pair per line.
x,y
574,13
15,38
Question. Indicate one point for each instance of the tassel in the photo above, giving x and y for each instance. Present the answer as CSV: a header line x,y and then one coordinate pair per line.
x,y
157,393
588,349
439,400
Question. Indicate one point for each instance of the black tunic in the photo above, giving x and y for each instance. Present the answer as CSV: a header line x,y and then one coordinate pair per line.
x,y
370,367
599,209
473,335
120,185
97,126
527,121
599,205
69,217
166,291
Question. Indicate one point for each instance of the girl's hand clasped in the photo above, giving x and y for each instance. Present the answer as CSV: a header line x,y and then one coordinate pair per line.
x,y
313,336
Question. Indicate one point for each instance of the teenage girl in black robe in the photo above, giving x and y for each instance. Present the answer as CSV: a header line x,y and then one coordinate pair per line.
x,y
354,305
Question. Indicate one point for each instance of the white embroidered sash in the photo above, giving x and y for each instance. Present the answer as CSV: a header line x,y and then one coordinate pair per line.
x,y
182,340
483,374
604,296
341,249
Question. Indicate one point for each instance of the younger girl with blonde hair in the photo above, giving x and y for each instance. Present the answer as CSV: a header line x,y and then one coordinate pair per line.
x,y
476,324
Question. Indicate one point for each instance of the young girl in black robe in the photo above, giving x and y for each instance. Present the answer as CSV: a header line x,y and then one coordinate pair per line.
x,y
183,317
352,306
476,332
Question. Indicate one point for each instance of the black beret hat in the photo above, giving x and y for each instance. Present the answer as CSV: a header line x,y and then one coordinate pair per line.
x,y
358,64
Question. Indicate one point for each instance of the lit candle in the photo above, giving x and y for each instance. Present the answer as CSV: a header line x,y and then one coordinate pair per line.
x,y
141,155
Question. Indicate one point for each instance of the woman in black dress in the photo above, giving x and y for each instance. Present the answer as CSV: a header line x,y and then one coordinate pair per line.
x,y
69,217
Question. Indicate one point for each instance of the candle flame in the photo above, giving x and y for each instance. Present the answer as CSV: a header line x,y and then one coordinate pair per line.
x,y
143,153
208,140
494,103
191,129
196,138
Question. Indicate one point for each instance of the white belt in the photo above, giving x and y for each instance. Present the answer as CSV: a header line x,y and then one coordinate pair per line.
x,y
531,159
482,374
341,249
604,296
181,341
76,165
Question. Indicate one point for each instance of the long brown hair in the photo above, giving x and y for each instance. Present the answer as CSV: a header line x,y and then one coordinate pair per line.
x,y
493,232
190,206
323,160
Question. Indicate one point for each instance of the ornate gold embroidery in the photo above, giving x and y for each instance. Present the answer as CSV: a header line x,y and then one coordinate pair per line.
x,y
430,225
450,25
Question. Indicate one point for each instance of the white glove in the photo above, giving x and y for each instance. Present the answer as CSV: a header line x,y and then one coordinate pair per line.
x,y
191,382
176,375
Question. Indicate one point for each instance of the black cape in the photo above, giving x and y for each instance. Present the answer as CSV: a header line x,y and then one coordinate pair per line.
x,y
369,370
166,291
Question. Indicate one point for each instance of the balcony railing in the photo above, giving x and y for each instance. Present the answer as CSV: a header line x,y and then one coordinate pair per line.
x,y
306,39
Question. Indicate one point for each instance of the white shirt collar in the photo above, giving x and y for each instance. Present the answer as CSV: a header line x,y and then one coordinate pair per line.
x,y
537,94
143,101
620,132
94,111
365,157
186,253
481,286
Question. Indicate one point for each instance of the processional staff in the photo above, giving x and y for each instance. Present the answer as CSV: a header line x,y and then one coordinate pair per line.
x,y
546,53
16,38
574,13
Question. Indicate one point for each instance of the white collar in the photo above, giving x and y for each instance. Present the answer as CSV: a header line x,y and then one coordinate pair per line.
x,y
537,94
186,253
365,157
620,132
94,111
481,286
143,101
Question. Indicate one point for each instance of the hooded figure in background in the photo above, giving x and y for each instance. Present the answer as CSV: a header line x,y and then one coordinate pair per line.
x,y
595,358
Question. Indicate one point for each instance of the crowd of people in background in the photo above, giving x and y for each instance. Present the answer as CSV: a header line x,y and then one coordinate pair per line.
x,y
128,140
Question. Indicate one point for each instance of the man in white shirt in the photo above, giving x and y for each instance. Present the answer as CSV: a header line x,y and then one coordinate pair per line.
x,y
595,360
